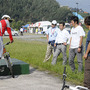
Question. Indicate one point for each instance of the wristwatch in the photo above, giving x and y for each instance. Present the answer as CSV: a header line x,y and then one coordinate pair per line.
x,y
80,46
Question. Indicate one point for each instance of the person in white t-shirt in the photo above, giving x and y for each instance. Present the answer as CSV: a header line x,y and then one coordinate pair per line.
x,y
21,31
76,46
61,42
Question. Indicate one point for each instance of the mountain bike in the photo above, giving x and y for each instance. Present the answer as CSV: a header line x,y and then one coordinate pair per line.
x,y
7,60
64,87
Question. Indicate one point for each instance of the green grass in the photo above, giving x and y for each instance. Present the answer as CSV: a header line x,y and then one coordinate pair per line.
x,y
33,52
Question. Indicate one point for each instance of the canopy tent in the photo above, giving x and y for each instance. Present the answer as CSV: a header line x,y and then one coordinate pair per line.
x,y
78,15
26,25
42,23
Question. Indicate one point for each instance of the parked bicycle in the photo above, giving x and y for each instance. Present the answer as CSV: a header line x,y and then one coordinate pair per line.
x,y
64,87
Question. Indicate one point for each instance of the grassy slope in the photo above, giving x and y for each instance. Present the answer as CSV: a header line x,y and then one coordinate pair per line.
x,y
34,53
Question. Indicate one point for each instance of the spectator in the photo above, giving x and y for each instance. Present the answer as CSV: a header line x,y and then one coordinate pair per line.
x,y
21,31
87,55
76,46
36,30
61,41
51,36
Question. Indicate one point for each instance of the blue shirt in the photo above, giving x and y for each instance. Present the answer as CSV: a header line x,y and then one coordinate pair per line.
x,y
52,33
87,42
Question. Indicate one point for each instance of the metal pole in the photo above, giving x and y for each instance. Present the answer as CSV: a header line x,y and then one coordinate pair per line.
x,y
77,9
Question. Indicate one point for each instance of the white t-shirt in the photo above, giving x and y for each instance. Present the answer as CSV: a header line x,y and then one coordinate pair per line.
x,y
21,29
63,36
75,35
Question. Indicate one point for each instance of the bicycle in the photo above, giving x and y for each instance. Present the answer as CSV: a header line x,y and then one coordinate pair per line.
x,y
64,87
8,60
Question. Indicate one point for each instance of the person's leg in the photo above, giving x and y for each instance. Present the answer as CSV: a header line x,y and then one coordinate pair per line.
x,y
87,73
63,49
71,59
80,60
48,53
55,55
1,46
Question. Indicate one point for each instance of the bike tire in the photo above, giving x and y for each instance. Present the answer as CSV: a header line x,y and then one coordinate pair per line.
x,y
10,66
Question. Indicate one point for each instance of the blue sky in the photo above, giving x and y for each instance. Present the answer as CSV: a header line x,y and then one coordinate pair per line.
x,y
82,4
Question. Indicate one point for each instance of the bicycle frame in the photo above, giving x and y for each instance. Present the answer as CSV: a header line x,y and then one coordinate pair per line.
x,y
70,87
8,59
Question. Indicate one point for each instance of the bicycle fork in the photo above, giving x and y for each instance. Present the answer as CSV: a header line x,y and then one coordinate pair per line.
x,y
9,63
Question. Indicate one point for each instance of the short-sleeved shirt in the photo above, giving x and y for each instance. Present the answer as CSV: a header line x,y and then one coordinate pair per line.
x,y
76,33
87,41
52,33
63,36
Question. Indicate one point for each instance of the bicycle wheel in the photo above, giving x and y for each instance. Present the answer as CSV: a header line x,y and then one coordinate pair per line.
x,y
9,65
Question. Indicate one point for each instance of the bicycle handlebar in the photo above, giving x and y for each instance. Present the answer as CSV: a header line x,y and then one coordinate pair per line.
x,y
7,43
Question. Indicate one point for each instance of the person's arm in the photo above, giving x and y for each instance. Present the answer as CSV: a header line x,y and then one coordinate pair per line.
x,y
47,37
81,34
9,31
81,39
80,43
55,42
88,50
66,38
70,42
10,34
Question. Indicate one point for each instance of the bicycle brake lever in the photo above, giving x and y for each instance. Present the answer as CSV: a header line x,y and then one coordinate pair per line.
x,y
7,43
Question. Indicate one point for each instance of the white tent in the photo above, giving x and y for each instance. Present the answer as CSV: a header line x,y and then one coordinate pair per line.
x,y
42,23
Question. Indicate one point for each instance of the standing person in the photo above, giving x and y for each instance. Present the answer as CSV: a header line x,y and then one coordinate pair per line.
x,y
51,34
61,42
4,25
87,55
21,31
76,46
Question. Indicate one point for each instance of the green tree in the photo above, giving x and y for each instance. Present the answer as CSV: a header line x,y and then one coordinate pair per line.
x,y
23,11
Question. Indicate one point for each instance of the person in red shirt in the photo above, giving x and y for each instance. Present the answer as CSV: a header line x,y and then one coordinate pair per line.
x,y
5,25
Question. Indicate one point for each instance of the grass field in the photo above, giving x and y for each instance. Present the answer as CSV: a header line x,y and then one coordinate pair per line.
x,y
33,52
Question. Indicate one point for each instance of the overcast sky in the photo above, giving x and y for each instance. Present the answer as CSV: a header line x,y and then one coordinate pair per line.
x,y
82,4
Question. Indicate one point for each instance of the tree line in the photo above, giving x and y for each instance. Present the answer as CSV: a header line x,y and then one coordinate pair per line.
x,y
23,11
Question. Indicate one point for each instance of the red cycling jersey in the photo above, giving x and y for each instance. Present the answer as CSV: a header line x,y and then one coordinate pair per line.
x,y
5,26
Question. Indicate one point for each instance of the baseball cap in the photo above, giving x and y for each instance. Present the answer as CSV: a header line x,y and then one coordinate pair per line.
x,y
54,22
7,16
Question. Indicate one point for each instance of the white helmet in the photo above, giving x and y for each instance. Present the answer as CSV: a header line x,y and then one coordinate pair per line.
x,y
6,16
54,22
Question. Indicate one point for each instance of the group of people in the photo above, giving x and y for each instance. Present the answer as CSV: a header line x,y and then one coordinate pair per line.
x,y
59,38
